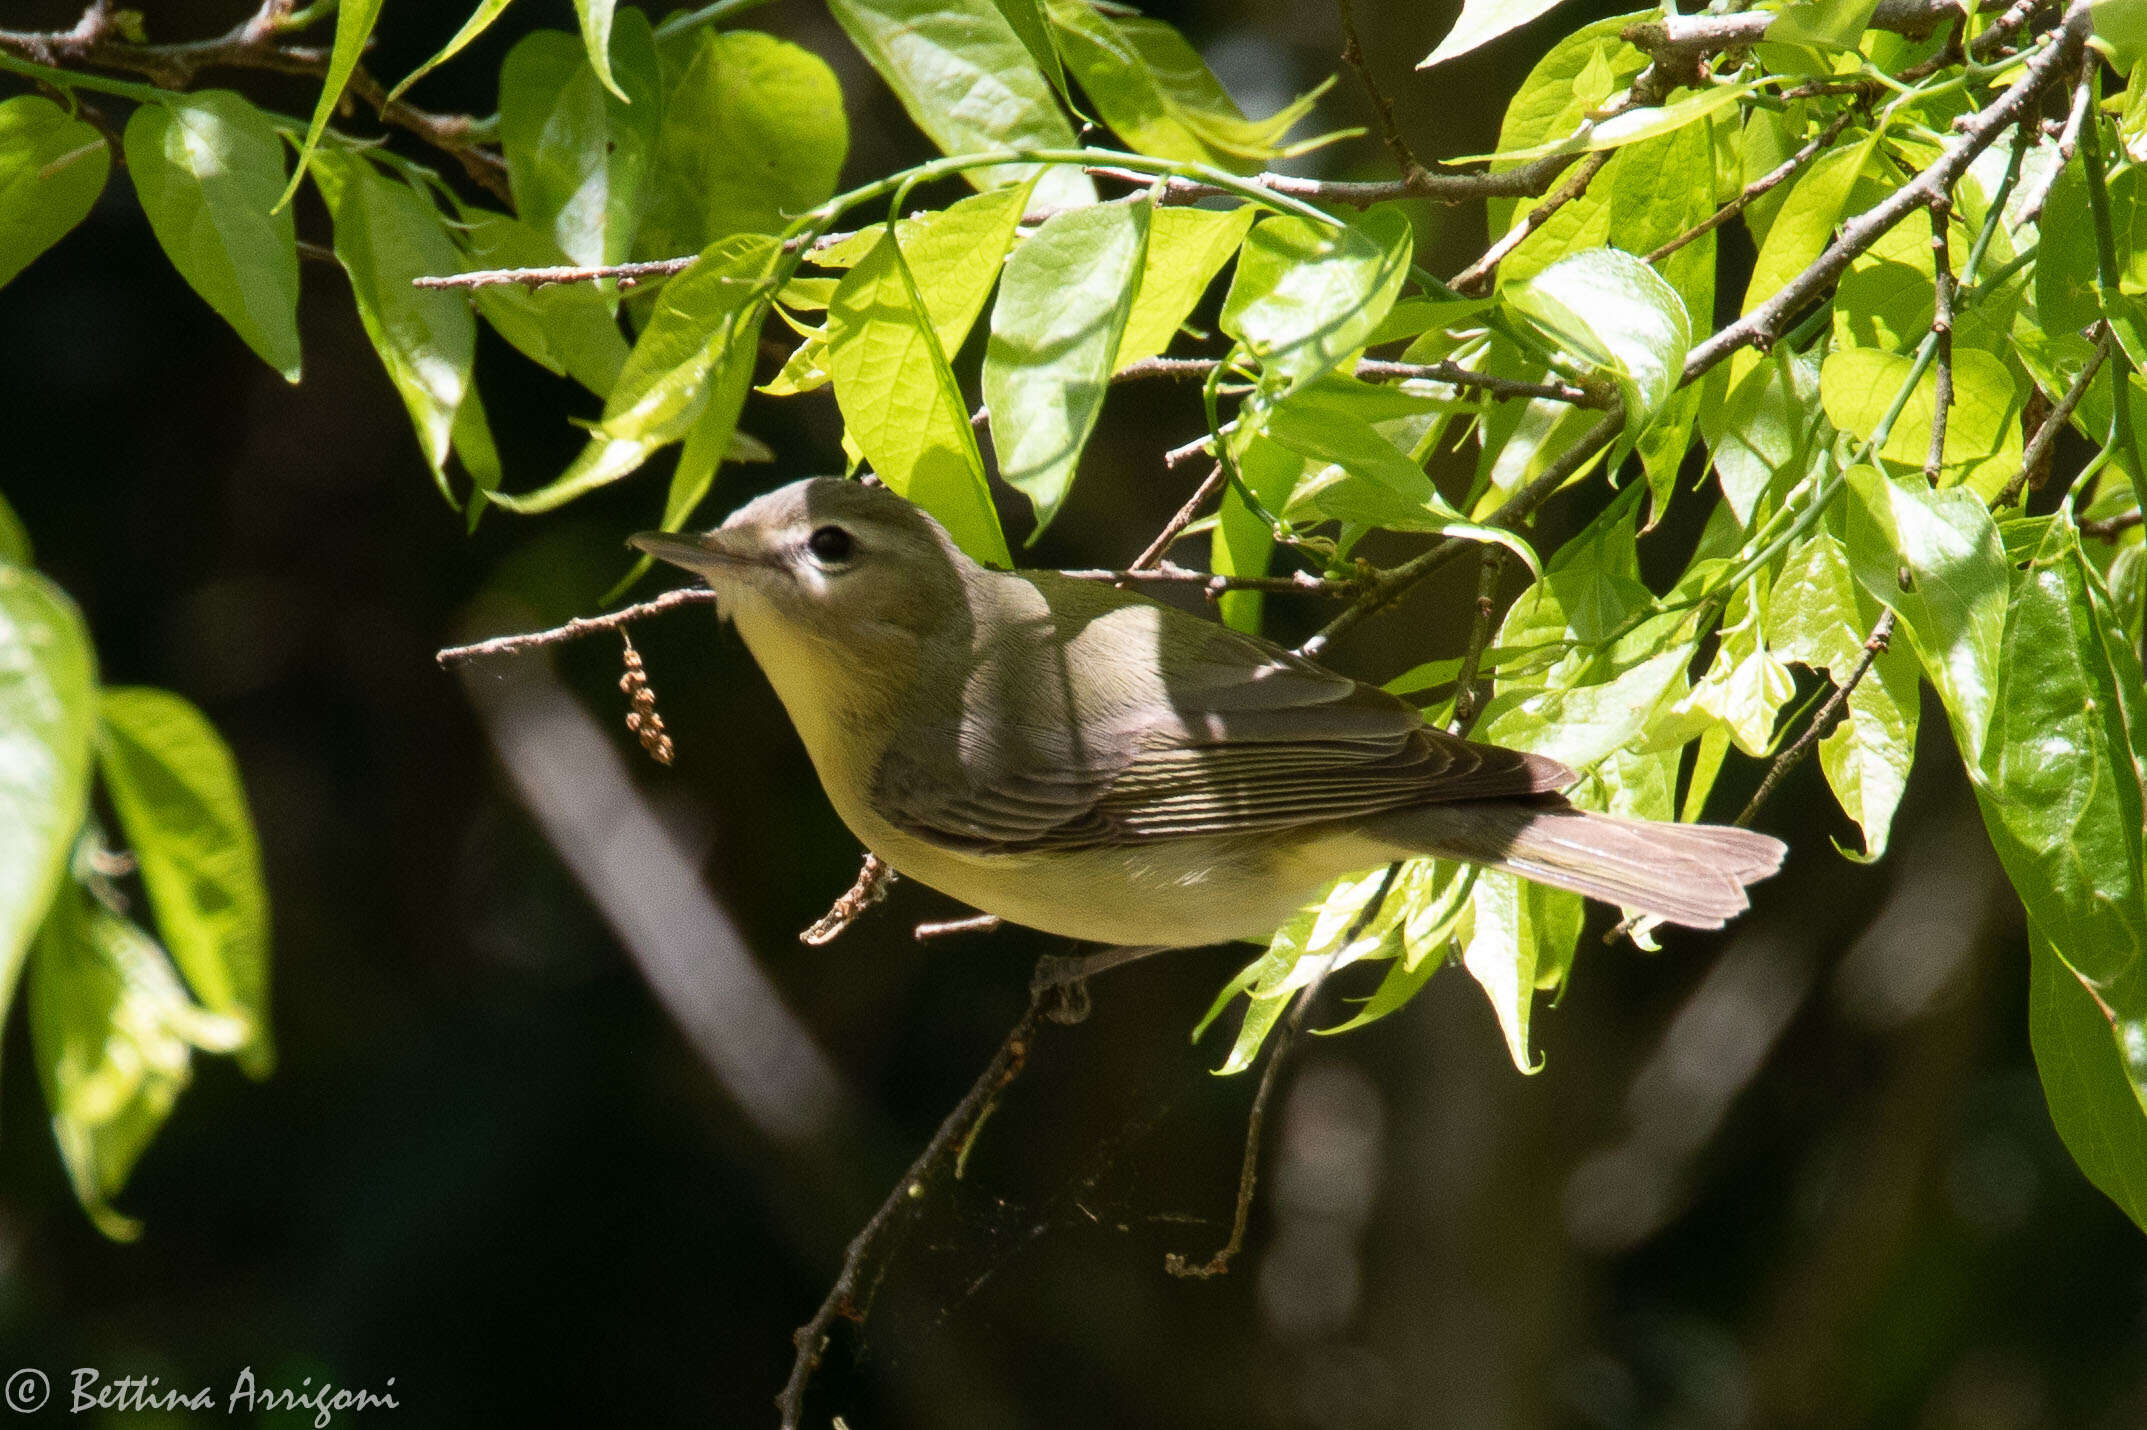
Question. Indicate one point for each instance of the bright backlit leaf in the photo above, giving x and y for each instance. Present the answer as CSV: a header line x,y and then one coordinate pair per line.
x,y
970,84
208,168
52,167
48,718
579,155
1307,295
1186,248
900,403
1054,332
753,135
176,789
1613,312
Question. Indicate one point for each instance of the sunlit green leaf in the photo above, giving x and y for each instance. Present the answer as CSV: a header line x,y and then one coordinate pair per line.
x,y
1155,91
954,255
1613,312
480,20
52,167
1934,558
1054,331
1244,542
176,788
596,37
970,84
1306,295
753,135
1983,441
578,155
1482,21
1804,223
48,717
697,321
1186,248
113,1033
900,403
208,168
386,234
354,21
2094,1098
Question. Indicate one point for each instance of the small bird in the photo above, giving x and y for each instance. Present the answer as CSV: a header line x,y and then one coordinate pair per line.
x,y
1080,759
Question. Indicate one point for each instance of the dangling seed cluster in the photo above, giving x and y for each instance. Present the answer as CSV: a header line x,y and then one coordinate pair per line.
x,y
643,720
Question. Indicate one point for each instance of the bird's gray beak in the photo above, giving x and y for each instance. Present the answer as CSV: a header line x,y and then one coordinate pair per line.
x,y
702,552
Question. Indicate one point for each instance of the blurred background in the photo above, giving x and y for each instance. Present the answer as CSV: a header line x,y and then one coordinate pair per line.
x,y
569,1126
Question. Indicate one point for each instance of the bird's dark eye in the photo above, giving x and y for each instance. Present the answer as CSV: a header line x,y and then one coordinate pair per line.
x,y
830,545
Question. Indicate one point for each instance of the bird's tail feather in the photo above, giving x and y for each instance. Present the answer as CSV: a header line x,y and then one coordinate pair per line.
x,y
1692,874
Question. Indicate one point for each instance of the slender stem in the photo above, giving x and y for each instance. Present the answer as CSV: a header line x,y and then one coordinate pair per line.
x,y
2047,434
1772,179
1468,702
1175,527
1822,720
901,1205
1942,332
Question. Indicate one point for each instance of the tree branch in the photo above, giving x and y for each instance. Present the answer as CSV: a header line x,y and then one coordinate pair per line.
x,y
940,1156
1763,325
256,44
874,878
576,628
2039,445
1772,179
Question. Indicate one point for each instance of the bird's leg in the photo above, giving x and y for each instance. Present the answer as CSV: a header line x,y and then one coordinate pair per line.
x,y
1067,975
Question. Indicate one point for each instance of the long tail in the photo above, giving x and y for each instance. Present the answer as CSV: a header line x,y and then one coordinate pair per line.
x,y
1692,874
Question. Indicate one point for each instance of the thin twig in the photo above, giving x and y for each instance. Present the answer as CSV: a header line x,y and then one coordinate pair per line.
x,y
1213,585
1467,697
1389,132
1476,278
253,44
1175,527
1942,330
2031,206
975,923
874,878
902,1204
1763,325
2110,527
626,273
1523,181
1279,1047
1772,179
2039,445
1822,720
576,628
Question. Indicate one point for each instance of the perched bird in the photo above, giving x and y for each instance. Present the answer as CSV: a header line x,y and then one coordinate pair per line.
x,y
1086,761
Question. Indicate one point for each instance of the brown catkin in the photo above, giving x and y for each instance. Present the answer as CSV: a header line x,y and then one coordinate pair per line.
x,y
643,720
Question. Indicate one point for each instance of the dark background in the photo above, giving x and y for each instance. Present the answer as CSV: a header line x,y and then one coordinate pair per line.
x,y
1797,1173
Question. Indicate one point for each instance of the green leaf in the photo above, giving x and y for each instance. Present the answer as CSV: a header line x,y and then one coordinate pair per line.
x,y
1933,557
596,32
1635,125
567,328
578,155
1521,932
176,789
387,233
699,319
354,21
1804,224
713,438
1581,724
52,167
14,537
1613,312
1983,441
2062,774
1156,93
1575,78
480,20
1747,684
113,1033
1054,331
208,168
753,135
2094,1098
1306,296
1482,21
954,255
2121,31
900,404
48,715
1770,428
1244,542
1186,249
970,84
1816,616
